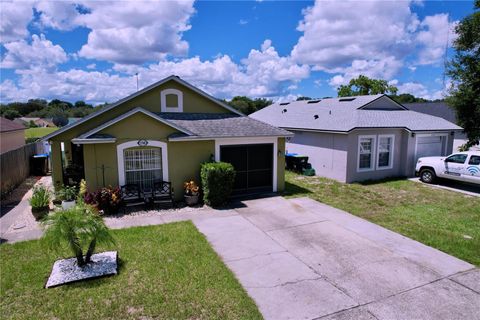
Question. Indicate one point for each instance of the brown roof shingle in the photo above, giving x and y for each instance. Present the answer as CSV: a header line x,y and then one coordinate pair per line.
x,y
8,125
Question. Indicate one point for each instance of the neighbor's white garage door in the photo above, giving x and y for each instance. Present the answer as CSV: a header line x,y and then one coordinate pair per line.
x,y
429,146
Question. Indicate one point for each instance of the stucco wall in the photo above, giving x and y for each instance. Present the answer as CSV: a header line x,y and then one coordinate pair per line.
x,y
281,165
11,140
327,152
398,146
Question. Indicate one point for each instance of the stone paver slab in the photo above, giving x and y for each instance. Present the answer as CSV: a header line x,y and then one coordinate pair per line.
x,y
235,238
440,300
470,279
366,271
307,299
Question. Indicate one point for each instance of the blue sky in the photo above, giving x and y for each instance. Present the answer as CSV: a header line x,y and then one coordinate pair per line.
x,y
84,50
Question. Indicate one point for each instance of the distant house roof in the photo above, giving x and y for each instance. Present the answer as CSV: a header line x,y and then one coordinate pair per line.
x,y
437,109
348,113
8,125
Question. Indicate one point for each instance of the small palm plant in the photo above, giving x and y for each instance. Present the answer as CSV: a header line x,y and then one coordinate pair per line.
x,y
79,227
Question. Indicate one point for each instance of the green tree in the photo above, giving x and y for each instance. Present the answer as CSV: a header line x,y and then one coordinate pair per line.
x,y
464,70
302,98
247,106
408,98
80,228
10,113
364,86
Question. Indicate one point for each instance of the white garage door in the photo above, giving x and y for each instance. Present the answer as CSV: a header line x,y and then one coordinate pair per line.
x,y
429,146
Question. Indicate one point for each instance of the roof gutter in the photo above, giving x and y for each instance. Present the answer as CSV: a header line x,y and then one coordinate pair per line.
x,y
93,141
226,137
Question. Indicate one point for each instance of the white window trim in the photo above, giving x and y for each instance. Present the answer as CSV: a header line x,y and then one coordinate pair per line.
x,y
131,144
373,152
391,152
239,141
163,100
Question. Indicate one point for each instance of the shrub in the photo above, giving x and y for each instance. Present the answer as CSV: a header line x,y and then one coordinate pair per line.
x,y
41,197
217,182
107,199
80,228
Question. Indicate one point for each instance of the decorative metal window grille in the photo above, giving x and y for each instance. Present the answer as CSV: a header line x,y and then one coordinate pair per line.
x,y
143,166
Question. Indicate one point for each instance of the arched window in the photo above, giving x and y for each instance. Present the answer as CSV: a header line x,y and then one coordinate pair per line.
x,y
171,100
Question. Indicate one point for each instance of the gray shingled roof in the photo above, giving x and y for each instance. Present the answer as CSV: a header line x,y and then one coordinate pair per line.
x,y
221,125
437,109
334,115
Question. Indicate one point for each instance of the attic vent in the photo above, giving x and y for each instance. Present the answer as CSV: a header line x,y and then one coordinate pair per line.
x,y
284,110
315,117
313,101
346,99
284,103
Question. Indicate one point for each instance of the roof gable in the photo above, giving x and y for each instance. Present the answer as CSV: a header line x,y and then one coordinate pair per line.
x,y
126,102
124,116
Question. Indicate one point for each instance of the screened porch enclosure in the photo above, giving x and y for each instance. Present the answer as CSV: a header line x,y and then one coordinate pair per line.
x,y
143,166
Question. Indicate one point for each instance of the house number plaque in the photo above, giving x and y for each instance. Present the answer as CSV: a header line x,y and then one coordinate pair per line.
x,y
142,143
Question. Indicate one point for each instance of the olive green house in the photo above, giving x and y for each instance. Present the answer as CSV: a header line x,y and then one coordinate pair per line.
x,y
163,133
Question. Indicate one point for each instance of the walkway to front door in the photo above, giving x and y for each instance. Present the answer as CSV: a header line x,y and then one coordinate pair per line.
x,y
300,259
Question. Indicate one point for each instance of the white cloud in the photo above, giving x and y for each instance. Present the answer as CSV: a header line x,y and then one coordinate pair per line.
x,y
131,32
91,66
14,19
420,90
40,53
242,22
127,32
435,31
263,73
379,69
335,34
60,15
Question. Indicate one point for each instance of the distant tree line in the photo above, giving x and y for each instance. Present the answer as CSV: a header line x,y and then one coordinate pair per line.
x,y
57,110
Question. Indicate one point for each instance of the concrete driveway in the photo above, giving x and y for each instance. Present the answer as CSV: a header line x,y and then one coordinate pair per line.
x,y
300,259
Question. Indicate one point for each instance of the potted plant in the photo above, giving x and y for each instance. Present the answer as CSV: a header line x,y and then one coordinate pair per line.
x,y
191,192
68,195
40,201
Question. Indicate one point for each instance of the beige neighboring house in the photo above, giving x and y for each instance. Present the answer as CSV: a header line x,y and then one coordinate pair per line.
x,y
39,122
12,135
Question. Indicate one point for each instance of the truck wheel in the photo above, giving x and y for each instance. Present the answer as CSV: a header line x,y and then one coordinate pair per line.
x,y
427,175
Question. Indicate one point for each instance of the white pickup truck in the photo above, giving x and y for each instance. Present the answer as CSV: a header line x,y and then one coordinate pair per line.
x,y
460,166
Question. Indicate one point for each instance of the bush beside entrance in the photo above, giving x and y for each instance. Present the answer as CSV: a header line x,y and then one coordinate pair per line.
x,y
217,182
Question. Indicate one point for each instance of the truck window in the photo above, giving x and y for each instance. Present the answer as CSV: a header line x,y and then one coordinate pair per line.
x,y
474,160
457,158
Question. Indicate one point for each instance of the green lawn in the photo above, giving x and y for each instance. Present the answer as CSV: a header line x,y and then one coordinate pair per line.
x,y
167,272
38,132
439,218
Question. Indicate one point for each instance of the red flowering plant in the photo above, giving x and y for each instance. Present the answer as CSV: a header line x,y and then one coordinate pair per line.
x,y
105,199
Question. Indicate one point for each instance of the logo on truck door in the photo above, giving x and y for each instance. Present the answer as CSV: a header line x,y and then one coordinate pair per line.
x,y
473,170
